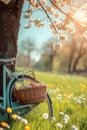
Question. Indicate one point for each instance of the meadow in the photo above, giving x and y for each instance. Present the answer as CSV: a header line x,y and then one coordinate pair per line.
x,y
69,101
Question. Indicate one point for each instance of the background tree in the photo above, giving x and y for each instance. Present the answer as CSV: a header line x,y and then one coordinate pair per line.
x,y
26,48
48,51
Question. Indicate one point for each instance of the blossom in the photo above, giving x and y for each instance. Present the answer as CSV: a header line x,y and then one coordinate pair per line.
x,y
27,15
38,23
50,9
45,116
56,15
70,29
44,2
55,22
27,26
63,37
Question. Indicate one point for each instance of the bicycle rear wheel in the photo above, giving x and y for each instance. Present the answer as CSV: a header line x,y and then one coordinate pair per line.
x,y
35,109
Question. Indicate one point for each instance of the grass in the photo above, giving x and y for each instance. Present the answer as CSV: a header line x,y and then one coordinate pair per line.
x,y
69,100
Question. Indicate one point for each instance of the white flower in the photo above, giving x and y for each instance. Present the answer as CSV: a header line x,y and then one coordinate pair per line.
x,y
53,118
45,116
66,116
61,113
24,121
1,128
59,125
74,127
65,120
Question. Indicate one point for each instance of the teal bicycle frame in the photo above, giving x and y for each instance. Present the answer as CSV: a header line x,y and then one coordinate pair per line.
x,y
5,99
6,71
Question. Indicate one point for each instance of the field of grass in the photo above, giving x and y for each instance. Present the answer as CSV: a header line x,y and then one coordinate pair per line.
x,y
69,100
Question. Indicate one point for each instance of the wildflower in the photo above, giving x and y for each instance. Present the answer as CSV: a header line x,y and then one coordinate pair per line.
x,y
53,118
1,128
45,116
9,110
61,113
14,116
59,125
66,119
74,127
66,116
24,121
27,127
4,124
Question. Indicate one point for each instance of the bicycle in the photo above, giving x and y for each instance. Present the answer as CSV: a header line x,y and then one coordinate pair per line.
x,y
18,79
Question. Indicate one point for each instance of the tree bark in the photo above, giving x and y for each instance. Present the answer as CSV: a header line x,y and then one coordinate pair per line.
x,y
80,55
9,27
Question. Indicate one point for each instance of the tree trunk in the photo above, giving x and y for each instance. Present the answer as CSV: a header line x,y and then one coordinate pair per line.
x,y
77,60
51,63
9,27
70,62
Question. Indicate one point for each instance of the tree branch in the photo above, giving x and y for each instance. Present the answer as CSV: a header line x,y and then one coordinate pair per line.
x,y
48,16
73,20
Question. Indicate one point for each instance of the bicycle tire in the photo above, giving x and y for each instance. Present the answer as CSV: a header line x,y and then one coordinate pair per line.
x,y
24,110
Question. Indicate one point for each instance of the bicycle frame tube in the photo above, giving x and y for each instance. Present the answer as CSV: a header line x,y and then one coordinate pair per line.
x,y
3,98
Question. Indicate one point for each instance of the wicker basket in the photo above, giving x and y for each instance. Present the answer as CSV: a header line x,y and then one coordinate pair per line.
x,y
30,95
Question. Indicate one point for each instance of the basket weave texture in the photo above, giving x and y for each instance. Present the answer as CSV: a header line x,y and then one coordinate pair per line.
x,y
31,95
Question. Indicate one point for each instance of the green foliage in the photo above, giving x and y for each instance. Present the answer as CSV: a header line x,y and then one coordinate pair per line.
x,y
69,97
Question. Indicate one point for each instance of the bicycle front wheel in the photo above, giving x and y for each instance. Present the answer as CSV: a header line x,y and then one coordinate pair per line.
x,y
41,109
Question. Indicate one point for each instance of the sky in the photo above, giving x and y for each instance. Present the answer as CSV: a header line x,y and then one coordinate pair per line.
x,y
40,35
